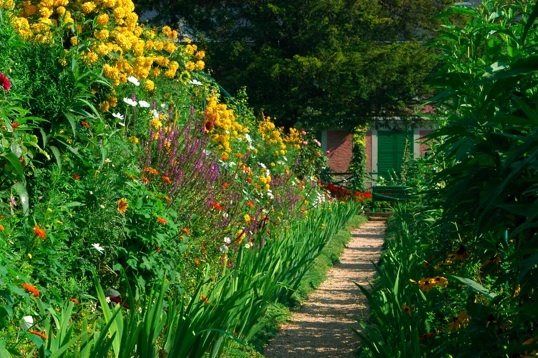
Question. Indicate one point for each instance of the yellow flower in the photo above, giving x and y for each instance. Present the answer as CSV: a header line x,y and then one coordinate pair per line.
x,y
133,140
102,19
122,205
149,85
200,65
74,41
200,55
189,66
88,7
156,124
104,106
247,218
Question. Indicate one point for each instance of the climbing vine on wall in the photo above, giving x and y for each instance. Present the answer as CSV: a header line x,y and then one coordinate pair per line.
x,y
357,167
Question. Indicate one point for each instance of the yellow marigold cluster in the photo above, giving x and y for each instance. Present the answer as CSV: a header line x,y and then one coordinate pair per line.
x,y
294,138
272,137
265,180
115,37
220,121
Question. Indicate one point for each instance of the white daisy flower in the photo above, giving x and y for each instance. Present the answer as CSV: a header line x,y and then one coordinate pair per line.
x,y
130,102
227,240
133,80
98,248
118,115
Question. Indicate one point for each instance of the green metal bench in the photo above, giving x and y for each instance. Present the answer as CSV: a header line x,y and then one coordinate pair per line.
x,y
393,193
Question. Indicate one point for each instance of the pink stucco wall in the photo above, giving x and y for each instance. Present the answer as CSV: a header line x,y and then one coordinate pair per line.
x,y
424,147
340,150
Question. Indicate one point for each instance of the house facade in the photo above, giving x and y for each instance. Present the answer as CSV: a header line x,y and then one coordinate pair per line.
x,y
387,144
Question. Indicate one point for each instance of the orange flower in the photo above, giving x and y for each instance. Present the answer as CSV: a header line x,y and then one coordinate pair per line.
x,y
151,170
40,334
157,248
15,125
250,204
185,231
2,227
216,206
74,300
208,126
40,232
204,298
122,205
197,261
161,221
31,288
166,179
224,157
249,180
85,124
225,185
76,176
145,180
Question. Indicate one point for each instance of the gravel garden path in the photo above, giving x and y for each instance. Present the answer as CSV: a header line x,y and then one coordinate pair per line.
x,y
322,325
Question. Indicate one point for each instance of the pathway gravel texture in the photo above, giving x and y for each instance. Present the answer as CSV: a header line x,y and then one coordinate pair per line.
x,y
322,325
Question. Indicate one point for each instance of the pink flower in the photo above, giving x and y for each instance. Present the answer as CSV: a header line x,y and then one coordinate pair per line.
x,y
4,82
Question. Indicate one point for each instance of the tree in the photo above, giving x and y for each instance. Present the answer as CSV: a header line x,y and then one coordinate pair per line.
x,y
318,62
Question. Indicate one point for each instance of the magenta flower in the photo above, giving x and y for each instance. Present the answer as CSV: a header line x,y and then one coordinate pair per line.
x,y
4,82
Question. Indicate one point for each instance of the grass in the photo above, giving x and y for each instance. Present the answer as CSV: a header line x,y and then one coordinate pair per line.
x,y
279,313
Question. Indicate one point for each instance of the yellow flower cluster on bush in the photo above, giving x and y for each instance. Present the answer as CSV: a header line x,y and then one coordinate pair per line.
x,y
221,122
107,30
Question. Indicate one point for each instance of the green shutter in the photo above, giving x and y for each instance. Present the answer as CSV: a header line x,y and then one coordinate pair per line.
x,y
391,150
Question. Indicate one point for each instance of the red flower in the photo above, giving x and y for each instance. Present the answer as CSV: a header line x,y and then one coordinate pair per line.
x,y
15,125
216,206
85,124
161,221
40,232
31,288
74,300
4,82
76,176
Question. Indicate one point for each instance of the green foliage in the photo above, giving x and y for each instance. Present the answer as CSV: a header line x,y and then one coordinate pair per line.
x,y
320,64
477,226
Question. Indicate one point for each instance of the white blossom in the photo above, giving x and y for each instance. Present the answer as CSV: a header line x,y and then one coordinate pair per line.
x,y
144,104
130,101
98,247
27,322
118,115
133,80
195,82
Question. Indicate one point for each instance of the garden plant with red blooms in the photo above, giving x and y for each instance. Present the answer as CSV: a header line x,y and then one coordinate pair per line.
x,y
5,83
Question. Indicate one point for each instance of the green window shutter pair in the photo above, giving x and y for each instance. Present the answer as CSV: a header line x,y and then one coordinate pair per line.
x,y
392,146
